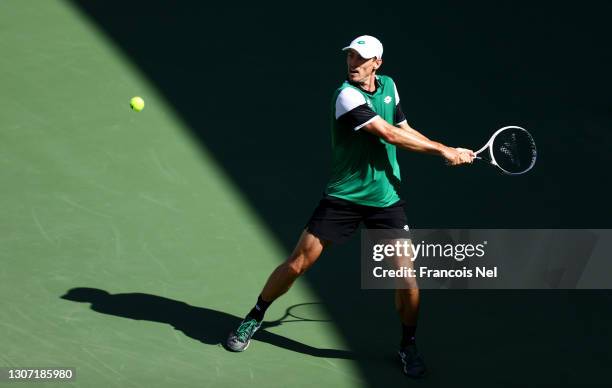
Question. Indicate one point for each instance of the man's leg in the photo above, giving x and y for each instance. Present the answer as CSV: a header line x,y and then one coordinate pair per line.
x,y
407,306
306,252
393,218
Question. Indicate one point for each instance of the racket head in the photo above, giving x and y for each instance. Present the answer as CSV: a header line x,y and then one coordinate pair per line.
x,y
512,149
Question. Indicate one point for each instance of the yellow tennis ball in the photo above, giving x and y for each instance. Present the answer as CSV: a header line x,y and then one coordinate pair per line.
x,y
137,104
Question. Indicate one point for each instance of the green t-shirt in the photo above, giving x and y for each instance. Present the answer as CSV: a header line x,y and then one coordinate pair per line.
x,y
364,166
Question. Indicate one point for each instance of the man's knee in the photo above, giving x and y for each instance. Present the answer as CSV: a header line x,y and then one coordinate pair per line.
x,y
409,288
305,254
299,262
294,268
295,265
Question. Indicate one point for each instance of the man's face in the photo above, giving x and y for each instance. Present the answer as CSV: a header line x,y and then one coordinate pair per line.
x,y
360,69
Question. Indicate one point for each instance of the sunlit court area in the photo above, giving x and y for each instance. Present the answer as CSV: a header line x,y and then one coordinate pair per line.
x,y
159,159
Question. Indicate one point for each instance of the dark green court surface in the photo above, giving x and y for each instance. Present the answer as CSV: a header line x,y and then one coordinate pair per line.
x,y
98,196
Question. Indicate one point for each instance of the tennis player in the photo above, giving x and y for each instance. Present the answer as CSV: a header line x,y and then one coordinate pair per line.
x,y
367,128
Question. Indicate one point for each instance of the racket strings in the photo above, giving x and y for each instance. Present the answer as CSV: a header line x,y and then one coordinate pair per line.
x,y
509,148
514,150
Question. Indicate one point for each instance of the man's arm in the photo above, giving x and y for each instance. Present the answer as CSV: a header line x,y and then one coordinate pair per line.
x,y
410,139
404,125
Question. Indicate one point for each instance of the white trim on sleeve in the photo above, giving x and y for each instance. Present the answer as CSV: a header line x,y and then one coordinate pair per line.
x,y
396,93
357,128
347,100
403,121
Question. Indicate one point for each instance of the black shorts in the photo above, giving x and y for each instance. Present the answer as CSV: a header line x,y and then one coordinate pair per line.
x,y
337,219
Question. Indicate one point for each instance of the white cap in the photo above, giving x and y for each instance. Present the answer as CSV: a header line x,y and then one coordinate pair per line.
x,y
367,46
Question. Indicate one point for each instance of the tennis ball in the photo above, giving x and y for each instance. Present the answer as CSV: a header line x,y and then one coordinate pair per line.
x,y
137,104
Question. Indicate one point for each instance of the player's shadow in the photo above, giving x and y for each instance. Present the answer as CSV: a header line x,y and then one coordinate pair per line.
x,y
206,325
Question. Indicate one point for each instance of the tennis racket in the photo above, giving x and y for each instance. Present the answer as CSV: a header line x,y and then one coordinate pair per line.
x,y
511,149
303,312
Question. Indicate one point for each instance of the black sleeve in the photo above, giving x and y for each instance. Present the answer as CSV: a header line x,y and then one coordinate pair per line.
x,y
357,116
399,115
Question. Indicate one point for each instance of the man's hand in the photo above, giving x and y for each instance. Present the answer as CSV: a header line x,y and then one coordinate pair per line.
x,y
457,156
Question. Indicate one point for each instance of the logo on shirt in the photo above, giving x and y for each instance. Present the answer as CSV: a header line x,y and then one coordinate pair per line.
x,y
369,103
387,99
